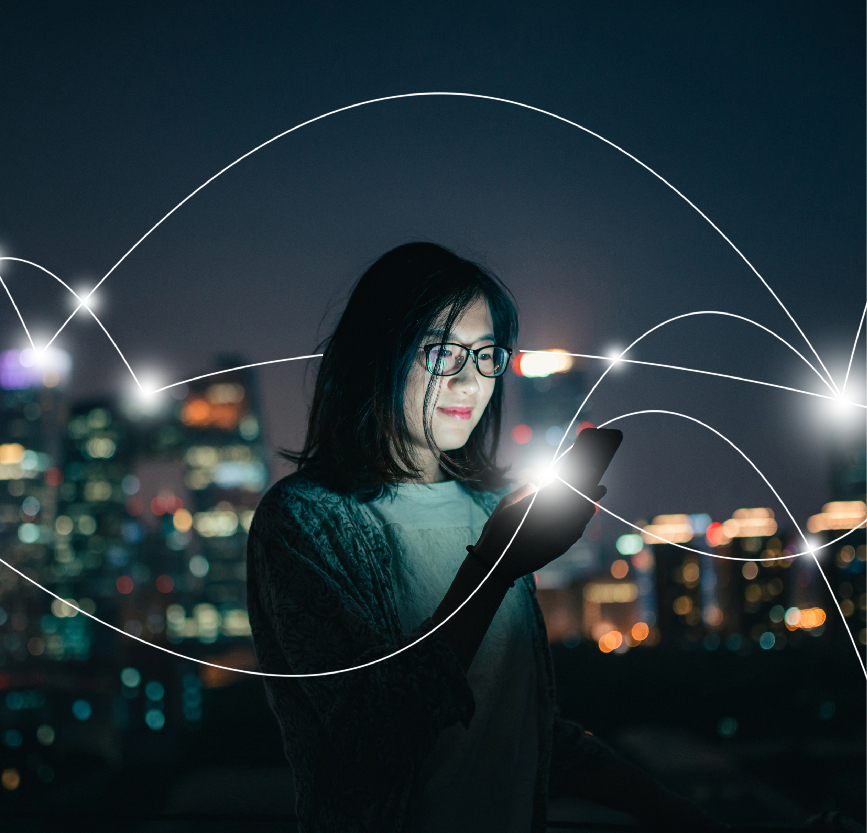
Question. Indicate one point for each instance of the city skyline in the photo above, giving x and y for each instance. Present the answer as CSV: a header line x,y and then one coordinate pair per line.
x,y
138,518
164,437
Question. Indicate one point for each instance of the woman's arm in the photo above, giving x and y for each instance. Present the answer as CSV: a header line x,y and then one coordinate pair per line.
x,y
622,786
318,605
584,766
545,535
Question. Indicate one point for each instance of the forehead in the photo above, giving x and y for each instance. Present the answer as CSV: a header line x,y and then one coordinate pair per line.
x,y
474,324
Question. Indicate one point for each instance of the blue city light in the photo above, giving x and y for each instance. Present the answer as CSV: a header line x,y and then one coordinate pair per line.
x,y
553,435
727,727
13,738
155,719
734,641
712,641
81,709
191,681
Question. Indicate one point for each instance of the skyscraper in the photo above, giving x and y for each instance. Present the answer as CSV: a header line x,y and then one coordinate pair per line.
x,y
32,417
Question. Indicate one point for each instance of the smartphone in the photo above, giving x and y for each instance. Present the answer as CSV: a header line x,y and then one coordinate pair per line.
x,y
585,462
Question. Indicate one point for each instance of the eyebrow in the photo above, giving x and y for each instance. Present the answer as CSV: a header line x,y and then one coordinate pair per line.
x,y
440,333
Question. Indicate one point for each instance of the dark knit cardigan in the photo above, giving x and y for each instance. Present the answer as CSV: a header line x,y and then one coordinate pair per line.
x,y
321,598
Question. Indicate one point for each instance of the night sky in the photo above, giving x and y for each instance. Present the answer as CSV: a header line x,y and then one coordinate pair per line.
x,y
114,113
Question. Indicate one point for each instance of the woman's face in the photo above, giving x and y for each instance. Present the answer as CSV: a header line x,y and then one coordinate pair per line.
x,y
458,401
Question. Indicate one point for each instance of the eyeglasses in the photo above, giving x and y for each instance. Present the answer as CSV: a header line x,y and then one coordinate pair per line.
x,y
448,359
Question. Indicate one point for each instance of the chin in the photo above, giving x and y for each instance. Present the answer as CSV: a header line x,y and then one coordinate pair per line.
x,y
451,440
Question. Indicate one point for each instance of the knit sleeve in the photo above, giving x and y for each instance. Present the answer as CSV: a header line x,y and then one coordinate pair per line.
x,y
324,611
575,751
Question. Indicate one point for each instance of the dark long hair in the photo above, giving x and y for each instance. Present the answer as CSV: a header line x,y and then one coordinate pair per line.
x,y
358,441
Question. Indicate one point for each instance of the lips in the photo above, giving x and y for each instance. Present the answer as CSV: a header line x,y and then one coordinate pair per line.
x,y
457,413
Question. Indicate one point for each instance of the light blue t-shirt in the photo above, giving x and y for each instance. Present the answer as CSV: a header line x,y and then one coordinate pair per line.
x,y
482,778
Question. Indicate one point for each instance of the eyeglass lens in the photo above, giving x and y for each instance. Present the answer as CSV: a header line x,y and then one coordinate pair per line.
x,y
448,359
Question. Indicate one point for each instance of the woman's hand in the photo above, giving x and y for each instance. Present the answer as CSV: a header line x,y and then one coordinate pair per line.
x,y
555,522
677,815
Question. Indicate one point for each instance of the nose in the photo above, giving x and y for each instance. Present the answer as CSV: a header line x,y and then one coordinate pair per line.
x,y
467,378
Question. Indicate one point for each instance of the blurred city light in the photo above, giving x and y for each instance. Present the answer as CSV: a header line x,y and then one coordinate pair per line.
x,y
28,368
640,631
608,593
619,569
838,515
522,434
750,523
610,641
554,435
629,544
82,709
155,719
614,353
715,535
750,570
700,523
727,727
87,300
537,365
674,528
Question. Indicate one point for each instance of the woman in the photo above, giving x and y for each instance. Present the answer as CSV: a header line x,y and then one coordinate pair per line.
x,y
364,550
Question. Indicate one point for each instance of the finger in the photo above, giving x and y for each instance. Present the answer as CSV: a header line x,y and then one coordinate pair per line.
x,y
600,493
518,494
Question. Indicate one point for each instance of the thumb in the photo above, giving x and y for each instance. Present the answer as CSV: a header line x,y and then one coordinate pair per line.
x,y
518,494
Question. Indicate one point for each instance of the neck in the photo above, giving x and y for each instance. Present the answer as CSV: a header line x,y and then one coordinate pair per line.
x,y
431,471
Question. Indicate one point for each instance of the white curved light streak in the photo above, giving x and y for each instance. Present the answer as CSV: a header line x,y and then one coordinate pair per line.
x,y
262,673
662,540
809,549
484,98
392,98
18,312
618,360
726,315
70,289
240,367
406,647
50,274
114,344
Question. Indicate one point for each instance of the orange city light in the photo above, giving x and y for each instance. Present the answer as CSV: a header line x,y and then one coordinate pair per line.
x,y
811,617
640,631
540,364
674,528
610,641
750,523
840,514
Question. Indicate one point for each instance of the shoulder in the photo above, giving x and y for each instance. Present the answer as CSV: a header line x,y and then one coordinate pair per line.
x,y
298,500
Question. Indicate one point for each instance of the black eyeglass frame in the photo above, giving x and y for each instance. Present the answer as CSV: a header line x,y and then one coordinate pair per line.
x,y
472,352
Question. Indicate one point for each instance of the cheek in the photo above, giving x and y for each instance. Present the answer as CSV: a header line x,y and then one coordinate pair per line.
x,y
416,388
488,390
